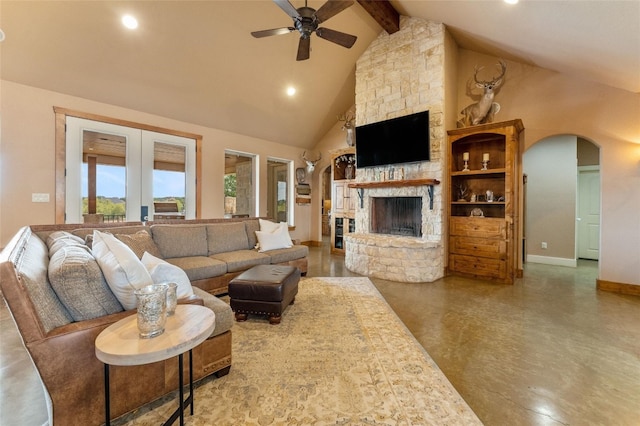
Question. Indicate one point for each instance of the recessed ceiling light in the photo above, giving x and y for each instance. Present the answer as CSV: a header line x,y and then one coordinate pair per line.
x,y
130,22
291,90
511,1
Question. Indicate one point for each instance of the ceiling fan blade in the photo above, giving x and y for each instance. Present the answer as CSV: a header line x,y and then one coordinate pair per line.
x,y
303,48
275,31
288,8
343,39
332,8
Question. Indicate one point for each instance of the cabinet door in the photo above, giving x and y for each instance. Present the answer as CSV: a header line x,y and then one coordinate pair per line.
x,y
339,197
353,200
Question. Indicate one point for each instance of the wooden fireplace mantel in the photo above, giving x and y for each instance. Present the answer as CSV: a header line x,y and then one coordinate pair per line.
x,y
394,183
361,186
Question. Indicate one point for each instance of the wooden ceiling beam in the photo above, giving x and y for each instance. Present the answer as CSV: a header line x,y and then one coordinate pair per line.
x,y
384,13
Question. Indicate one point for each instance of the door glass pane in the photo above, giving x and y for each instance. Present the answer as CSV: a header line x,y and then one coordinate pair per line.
x,y
278,192
239,195
169,181
103,177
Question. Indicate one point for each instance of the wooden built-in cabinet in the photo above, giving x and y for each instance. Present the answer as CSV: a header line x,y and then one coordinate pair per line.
x,y
485,207
343,198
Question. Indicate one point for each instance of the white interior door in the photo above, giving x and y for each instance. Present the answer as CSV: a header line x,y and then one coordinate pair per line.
x,y
134,167
588,213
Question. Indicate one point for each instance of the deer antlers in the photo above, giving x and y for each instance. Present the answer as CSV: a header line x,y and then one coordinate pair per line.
x,y
348,120
311,164
493,82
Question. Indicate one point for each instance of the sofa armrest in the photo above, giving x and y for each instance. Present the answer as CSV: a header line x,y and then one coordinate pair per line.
x,y
191,300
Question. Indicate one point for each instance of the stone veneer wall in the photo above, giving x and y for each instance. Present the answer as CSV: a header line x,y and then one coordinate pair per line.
x,y
401,74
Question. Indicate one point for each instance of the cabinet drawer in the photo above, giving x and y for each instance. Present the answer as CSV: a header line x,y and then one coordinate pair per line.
x,y
478,266
480,247
484,227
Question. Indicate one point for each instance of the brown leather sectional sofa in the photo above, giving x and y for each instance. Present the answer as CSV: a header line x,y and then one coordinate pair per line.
x,y
63,350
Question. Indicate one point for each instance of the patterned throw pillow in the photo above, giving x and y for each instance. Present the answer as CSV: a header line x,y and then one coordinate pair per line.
x,y
78,281
140,242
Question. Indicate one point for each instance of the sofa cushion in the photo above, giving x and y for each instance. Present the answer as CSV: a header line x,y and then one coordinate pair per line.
x,y
59,239
140,242
79,284
163,272
224,237
223,312
121,267
199,267
251,227
288,254
180,240
241,260
84,232
32,269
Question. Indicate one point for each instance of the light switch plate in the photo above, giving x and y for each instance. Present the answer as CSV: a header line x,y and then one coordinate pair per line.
x,y
40,197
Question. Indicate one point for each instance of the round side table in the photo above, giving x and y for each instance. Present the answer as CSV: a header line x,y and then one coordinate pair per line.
x,y
120,344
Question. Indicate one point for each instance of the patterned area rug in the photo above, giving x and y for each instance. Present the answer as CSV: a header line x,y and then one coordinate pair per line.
x,y
340,356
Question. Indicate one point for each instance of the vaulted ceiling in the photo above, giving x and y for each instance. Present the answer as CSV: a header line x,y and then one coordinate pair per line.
x,y
195,61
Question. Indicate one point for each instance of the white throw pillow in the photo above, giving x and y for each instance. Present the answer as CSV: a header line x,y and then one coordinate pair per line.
x,y
275,228
274,240
121,268
268,226
163,272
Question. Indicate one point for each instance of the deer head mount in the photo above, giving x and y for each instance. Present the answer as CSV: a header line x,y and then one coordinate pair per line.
x,y
483,111
349,127
311,164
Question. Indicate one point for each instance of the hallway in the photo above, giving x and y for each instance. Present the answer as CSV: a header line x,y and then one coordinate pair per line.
x,y
549,350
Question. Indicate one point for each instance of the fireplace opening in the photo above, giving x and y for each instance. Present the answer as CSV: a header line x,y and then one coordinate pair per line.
x,y
397,216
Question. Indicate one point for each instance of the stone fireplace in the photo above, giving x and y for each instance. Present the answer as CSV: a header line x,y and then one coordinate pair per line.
x,y
401,74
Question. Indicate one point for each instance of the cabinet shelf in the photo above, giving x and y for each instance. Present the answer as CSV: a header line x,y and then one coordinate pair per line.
x,y
478,203
471,173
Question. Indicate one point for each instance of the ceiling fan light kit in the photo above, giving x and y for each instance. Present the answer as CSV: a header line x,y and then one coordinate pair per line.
x,y
306,21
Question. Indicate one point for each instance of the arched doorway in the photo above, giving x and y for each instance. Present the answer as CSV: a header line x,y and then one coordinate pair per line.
x,y
562,205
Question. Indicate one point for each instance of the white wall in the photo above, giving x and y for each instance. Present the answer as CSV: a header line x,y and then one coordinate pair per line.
x,y
550,204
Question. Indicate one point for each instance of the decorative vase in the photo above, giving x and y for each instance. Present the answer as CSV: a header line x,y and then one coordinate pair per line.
x,y
152,307
349,171
172,298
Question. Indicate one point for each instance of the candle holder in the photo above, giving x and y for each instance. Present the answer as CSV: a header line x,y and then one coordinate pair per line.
x,y
485,163
465,158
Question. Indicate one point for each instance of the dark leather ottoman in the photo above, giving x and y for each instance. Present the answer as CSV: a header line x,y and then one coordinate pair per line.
x,y
264,290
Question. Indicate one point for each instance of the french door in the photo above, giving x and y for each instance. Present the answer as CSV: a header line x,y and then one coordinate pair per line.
x,y
117,173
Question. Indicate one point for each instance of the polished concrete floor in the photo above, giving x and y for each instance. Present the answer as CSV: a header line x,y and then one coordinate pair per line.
x,y
549,350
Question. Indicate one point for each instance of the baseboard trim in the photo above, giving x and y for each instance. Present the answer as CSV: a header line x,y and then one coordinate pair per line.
x,y
312,243
547,260
622,288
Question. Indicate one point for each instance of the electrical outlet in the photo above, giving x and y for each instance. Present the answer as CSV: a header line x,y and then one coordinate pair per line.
x,y
39,198
544,245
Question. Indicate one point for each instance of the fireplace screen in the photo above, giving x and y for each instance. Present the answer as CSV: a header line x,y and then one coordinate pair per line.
x,y
397,216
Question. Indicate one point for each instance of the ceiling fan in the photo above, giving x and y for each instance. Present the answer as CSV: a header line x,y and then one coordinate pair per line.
x,y
306,21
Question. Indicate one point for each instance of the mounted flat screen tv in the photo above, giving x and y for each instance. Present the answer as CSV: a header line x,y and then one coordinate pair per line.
x,y
395,141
